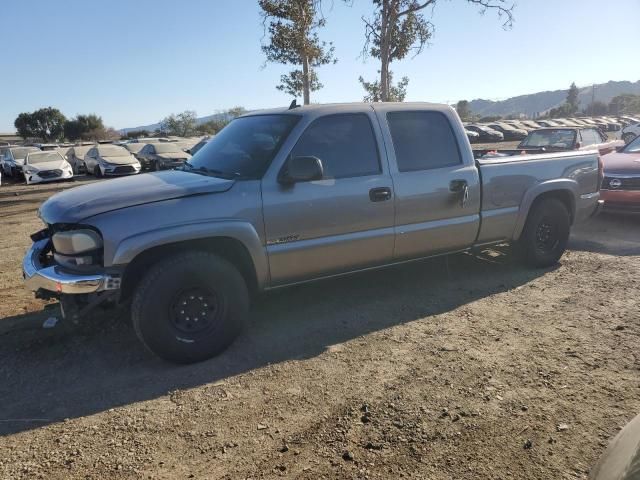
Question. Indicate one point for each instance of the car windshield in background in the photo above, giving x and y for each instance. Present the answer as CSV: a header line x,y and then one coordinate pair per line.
x,y
245,147
81,151
43,157
554,138
167,148
21,153
633,147
112,151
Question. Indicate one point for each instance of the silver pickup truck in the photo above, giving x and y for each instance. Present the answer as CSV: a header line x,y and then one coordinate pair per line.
x,y
286,196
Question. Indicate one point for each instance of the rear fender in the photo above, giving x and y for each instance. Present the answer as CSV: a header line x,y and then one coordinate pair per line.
x,y
562,186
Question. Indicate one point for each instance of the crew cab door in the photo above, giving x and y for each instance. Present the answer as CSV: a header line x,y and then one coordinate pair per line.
x,y
339,223
436,182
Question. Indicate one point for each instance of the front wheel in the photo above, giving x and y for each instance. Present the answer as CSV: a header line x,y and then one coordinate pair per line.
x,y
190,307
546,233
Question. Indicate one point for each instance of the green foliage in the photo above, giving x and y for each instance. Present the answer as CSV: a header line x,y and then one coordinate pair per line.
x,y
596,108
138,133
181,125
397,93
292,30
625,104
572,102
46,124
399,27
213,126
464,112
85,127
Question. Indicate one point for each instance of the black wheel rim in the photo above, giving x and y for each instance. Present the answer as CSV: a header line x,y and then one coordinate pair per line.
x,y
546,236
195,311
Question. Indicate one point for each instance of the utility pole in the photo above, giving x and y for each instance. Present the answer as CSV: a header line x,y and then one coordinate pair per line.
x,y
593,94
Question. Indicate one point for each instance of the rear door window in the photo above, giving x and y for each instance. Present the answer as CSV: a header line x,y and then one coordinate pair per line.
x,y
423,141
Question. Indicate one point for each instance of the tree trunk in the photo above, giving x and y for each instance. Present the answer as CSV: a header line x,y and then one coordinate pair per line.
x,y
305,80
384,52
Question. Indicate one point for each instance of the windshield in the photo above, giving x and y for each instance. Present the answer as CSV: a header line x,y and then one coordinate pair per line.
x,y
245,147
112,151
633,147
42,157
167,148
553,137
20,153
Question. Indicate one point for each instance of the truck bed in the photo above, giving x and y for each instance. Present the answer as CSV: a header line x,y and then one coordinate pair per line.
x,y
510,183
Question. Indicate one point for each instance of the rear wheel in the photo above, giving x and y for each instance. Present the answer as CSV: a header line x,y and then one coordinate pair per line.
x,y
190,307
546,233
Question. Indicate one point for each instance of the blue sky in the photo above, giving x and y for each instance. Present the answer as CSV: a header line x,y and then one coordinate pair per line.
x,y
134,62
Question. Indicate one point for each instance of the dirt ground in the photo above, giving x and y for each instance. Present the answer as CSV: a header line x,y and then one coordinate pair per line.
x,y
461,367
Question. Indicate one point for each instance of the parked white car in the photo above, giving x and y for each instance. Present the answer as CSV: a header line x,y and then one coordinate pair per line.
x,y
46,167
111,160
630,132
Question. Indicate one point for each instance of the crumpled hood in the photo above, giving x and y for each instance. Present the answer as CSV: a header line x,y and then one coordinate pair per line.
x,y
53,165
121,160
79,203
621,163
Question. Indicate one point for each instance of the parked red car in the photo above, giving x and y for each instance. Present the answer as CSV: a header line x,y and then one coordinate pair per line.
x,y
620,188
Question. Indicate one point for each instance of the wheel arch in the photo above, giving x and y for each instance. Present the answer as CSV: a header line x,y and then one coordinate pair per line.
x,y
564,190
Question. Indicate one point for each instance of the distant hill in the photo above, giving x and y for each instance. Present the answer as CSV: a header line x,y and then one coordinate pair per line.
x,y
542,101
154,126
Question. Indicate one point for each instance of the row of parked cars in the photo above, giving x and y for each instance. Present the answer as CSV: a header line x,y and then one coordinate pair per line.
x,y
509,130
50,162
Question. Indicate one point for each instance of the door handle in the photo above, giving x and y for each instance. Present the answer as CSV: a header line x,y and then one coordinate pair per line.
x,y
460,187
379,194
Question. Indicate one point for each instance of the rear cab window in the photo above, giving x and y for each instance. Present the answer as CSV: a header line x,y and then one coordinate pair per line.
x,y
423,140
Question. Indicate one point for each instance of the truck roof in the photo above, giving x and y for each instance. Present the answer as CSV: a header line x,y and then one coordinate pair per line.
x,y
345,107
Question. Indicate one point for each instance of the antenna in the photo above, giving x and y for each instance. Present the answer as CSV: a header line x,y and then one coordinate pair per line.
x,y
293,105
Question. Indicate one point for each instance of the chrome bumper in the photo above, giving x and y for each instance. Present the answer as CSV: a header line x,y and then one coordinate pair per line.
x,y
54,279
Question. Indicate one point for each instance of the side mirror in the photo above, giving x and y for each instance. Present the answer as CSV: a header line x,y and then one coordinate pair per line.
x,y
302,169
578,145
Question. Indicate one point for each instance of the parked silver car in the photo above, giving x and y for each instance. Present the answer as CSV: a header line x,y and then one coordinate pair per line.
x,y
12,159
110,160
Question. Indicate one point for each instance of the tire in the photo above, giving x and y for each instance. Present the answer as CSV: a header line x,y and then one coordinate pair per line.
x,y
546,233
155,166
97,172
628,137
182,285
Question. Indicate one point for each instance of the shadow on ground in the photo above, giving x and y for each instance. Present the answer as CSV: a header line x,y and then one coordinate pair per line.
x,y
612,234
73,371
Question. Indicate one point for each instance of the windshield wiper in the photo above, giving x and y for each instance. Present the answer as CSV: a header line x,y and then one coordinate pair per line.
x,y
210,172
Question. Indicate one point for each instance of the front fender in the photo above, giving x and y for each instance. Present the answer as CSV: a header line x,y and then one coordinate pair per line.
x,y
238,230
556,185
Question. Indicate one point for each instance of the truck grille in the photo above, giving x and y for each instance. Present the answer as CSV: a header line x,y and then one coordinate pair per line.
x,y
49,173
630,183
124,169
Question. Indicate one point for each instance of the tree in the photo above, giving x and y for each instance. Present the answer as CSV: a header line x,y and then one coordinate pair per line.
x,y
572,99
399,27
214,125
138,133
45,123
625,104
292,27
596,108
83,127
181,125
464,112
397,93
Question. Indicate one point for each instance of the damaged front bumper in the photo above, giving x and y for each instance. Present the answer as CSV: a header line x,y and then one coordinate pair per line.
x,y
52,278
